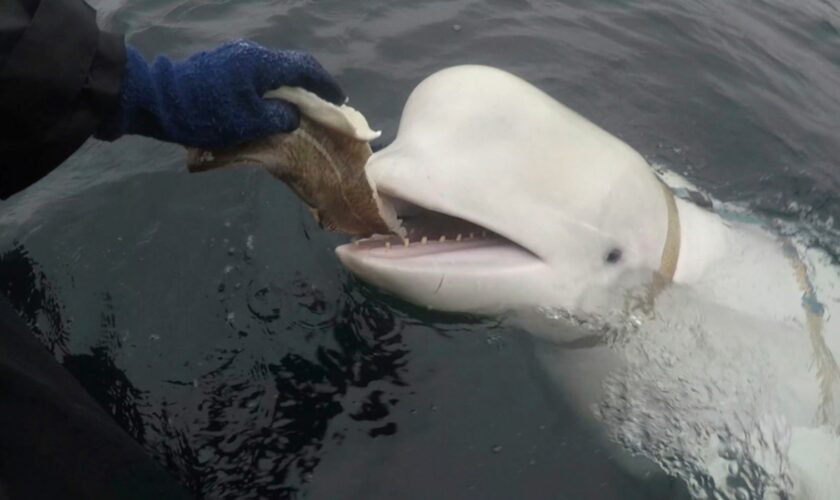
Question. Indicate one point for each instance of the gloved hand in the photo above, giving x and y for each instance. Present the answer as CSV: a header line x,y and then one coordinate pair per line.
x,y
214,99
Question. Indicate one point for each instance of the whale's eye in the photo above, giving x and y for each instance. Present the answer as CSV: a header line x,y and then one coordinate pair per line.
x,y
614,256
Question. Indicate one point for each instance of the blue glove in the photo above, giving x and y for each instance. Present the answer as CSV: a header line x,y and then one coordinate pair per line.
x,y
213,99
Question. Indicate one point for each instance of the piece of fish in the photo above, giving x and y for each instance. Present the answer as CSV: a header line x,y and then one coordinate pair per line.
x,y
323,162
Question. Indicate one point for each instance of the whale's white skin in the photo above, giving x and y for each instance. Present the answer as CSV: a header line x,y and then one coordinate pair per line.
x,y
484,146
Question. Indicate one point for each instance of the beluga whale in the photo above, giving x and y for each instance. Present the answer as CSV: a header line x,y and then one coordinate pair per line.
x,y
696,336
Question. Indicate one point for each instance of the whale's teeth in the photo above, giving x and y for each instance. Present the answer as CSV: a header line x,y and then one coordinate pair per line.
x,y
406,242
424,240
442,239
458,238
387,244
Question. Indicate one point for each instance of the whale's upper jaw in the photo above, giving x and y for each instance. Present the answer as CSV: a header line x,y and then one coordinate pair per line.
x,y
437,239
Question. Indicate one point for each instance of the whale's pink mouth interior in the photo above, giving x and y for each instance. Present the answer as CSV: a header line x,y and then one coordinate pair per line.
x,y
435,237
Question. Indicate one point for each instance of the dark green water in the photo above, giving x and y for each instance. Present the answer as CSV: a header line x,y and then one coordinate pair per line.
x,y
209,315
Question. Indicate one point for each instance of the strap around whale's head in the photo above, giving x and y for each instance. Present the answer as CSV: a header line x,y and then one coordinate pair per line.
x,y
671,249
663,276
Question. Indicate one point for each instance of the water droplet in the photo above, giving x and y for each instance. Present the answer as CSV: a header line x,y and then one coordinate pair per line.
x,y
497,449
456,27
734,469
205,455
728,452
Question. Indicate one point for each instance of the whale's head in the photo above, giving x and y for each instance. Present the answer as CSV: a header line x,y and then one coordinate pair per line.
x,y
510,200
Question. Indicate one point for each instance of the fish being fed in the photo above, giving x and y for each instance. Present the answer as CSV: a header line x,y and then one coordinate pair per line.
x,y
323,162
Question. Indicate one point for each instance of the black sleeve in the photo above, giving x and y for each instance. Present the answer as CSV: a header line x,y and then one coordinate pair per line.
x,y
59,78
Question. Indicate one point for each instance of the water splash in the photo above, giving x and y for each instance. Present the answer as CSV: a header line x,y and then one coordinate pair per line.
x,y
704,398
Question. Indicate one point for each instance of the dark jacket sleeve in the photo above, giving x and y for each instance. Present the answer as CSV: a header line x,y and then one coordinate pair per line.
x,y
59,78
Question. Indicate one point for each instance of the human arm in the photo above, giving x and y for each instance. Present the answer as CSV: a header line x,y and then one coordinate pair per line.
x,y
59,79
62,80
214,99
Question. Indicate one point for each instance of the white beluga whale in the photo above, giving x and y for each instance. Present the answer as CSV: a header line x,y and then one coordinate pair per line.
x,y
696,339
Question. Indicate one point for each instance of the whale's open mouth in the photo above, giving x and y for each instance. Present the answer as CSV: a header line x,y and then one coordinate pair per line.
x,y
435,237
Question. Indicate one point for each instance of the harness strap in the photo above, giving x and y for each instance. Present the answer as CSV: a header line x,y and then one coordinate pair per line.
x,y
824,362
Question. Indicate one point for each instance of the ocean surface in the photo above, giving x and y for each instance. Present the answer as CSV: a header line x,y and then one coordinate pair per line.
x,y
208,313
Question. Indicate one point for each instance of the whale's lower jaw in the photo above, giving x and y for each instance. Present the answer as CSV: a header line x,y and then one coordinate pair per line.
x,y
469,276
480,254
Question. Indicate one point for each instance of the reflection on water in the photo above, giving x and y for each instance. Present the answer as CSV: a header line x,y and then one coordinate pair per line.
x,y
28,289
258,433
